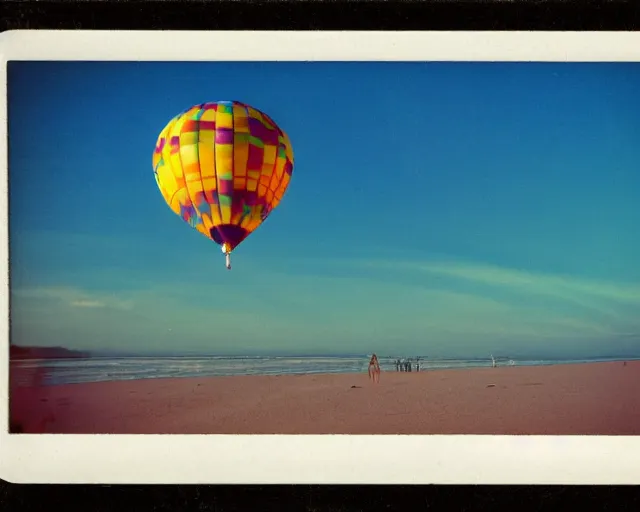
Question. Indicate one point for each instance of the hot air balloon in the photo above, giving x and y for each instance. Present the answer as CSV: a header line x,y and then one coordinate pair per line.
x,y
223,167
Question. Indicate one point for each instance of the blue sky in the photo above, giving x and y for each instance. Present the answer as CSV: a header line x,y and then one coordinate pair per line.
x,y
444,209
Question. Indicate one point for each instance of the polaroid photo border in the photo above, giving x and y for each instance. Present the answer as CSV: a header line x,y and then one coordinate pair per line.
x,y
328,459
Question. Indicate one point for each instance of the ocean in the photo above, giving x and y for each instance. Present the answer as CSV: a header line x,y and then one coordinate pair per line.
x,y
99,369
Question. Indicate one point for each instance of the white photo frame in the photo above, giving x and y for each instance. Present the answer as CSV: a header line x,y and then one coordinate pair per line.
x,y
344,459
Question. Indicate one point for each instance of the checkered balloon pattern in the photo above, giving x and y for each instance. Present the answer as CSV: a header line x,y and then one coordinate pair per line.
x,y
223,167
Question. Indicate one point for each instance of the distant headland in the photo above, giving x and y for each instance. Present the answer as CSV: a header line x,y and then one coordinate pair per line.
x,y
17,352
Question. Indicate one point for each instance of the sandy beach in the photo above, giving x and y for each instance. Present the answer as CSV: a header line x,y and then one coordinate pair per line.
x,y
576,399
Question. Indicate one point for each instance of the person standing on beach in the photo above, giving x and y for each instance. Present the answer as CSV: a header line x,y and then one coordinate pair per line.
x,y
374,368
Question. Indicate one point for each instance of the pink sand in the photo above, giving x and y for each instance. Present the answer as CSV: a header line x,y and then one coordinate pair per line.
x,y
595,398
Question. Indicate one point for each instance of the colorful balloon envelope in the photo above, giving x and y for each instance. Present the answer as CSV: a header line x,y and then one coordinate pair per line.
x,y
223,167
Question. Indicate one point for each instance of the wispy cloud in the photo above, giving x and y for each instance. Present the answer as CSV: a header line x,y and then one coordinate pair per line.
x,y
609,300
601,295
88,304
473,298
74,297
565,286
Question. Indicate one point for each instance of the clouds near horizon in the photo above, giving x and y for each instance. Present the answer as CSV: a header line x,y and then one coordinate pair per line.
x,y
337,305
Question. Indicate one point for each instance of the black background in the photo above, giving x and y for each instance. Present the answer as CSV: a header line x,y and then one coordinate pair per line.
x,y
318,15
323,15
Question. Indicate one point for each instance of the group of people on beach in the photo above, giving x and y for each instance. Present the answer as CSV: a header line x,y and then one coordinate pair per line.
x,y
402,365
406,365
